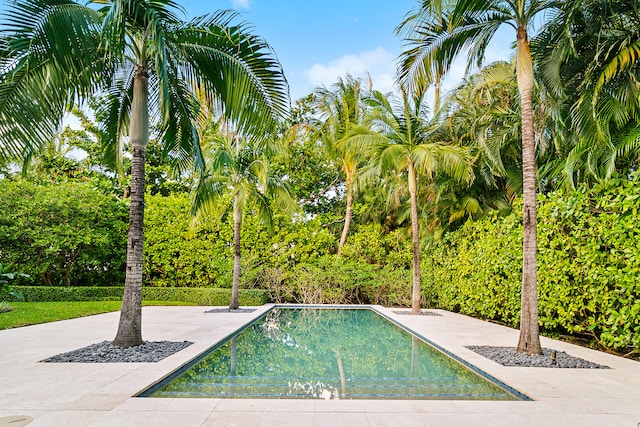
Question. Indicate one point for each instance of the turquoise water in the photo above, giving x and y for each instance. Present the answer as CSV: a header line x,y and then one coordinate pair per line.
x,y
327,354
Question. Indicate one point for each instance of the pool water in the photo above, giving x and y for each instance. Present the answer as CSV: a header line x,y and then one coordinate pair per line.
x,y
321,353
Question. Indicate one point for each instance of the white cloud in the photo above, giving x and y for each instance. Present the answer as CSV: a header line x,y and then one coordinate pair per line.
x,y
378,63
241,4
380,66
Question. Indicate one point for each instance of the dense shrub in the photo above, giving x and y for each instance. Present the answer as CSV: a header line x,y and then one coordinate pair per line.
x,y
62,233
179,255
588,265
369,243
205,296
198,296
331,280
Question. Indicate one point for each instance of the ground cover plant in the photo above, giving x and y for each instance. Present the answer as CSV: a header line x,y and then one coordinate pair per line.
x,y
5,278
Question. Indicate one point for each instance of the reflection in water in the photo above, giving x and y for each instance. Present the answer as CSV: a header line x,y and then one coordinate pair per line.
x,y
329,354
343,379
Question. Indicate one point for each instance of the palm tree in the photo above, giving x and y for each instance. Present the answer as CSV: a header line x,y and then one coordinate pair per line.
x,y
480,113
398,141
145,61
469,26
418,64
340,110
237,178
589,57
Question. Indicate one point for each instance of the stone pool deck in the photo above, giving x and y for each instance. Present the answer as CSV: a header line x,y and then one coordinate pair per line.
x,y
98,394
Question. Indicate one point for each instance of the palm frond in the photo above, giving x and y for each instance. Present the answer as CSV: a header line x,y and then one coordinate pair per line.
x,y
238,70
48,60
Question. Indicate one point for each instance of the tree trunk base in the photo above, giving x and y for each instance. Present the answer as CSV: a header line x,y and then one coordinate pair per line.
x,y
529,345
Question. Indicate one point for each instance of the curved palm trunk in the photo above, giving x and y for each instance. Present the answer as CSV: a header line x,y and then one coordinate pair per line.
x,y
236,255
415,235
130,327
529,341
350,171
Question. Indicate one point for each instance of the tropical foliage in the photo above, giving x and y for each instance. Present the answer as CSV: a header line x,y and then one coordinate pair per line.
x,y
399,143
62,233
588,257
416,201
5,278
341,110
589,59
237,180
150,64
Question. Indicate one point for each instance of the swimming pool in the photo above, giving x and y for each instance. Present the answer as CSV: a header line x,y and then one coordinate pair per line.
x,y
328,353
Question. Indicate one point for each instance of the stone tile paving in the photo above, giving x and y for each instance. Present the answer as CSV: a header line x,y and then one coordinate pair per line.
x,y
79,394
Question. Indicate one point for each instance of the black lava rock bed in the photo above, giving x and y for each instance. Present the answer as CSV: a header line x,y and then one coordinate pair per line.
x,y
228,310
422,313
149,352
508,356
105,352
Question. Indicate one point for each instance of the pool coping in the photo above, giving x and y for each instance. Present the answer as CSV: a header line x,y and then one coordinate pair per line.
x,y
75,394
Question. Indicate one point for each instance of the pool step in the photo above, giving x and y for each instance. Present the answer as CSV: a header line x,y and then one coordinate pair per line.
x,y
331,388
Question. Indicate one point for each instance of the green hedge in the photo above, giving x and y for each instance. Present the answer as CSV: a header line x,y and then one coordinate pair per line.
x,y
588,265
62,233
67,293
198,296
206,296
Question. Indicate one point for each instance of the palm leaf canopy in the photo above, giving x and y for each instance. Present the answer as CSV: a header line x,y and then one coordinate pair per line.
x,y
238,173
54,54
398,132
589,57
437,32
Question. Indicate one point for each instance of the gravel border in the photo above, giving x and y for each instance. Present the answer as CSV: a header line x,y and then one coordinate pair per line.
x,y
228,310
106,352
422,313
508,356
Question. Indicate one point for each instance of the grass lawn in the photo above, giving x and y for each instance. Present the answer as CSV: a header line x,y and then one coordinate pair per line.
x,y
32,313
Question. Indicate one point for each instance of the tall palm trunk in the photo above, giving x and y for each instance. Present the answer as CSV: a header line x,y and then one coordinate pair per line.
x,y
350,171
529,341
236,254
130,327
415,236
436,95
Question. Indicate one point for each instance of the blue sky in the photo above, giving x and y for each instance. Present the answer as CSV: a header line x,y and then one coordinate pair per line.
x,y
319,41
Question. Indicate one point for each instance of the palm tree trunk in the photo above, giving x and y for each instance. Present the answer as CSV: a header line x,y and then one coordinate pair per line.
x,y
349,212
236,255
415,235
436,95
130,327
529,341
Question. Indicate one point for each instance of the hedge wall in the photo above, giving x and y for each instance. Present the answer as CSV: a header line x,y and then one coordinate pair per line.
x,y
197,296
65,233
178,254
588,265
